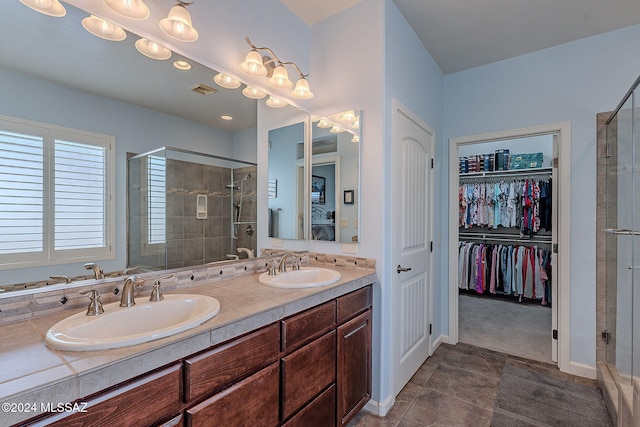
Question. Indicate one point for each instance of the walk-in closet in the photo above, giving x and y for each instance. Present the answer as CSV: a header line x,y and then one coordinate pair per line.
x,y
506,225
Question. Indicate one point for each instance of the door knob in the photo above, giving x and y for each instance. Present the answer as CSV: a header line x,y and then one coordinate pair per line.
x,y
400,269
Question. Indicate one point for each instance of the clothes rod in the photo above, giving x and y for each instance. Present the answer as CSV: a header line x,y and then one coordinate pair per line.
x,y
508,173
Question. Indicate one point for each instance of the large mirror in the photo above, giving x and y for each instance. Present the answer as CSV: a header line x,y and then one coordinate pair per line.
x,y
335,177
53,71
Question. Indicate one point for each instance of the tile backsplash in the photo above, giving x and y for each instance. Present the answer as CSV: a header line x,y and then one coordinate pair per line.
x,y
30,304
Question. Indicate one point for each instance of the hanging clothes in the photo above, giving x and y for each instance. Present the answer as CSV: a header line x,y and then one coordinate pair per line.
x,y
522,203
520,270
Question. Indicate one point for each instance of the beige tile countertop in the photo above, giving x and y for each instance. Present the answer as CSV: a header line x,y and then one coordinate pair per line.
x,y
32,374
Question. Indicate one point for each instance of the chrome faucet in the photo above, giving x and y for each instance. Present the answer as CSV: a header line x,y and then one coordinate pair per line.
x,y
128,291
97,271
247,251
66,279
282,266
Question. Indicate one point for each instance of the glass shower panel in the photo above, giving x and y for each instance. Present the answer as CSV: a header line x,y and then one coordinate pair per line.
x,y
635,293
620,239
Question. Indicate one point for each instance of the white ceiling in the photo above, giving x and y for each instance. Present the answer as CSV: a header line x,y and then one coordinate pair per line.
x,y
462,34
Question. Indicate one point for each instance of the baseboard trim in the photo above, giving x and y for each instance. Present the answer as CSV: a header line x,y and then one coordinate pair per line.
x,y
582,370
378,408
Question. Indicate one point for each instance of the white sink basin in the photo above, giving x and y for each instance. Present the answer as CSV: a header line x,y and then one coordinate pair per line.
x,y
306,277
123,326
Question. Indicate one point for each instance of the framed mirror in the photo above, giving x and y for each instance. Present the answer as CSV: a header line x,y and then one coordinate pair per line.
x,y
335,177
53,71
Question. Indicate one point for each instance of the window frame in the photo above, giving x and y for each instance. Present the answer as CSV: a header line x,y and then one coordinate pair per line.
x,y
49,255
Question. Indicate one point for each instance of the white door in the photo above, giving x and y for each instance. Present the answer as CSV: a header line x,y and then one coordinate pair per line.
x,y
412,155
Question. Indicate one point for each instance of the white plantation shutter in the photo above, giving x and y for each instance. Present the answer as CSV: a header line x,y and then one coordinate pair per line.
x,y
55,194
21,193
157,200
79,195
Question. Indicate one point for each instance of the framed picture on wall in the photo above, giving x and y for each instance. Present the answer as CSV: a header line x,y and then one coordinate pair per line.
x,y
348,197
317,189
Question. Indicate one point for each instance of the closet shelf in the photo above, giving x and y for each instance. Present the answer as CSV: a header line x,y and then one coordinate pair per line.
x,y
507,173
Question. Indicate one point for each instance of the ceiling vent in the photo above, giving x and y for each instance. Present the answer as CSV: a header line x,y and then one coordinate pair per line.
x,y
203,89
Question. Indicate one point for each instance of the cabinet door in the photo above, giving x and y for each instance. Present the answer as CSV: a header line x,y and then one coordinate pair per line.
x,y
354,366
319,413
252,402
306,372
145,401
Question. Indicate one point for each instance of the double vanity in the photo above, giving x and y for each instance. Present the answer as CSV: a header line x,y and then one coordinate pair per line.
x,y
288,349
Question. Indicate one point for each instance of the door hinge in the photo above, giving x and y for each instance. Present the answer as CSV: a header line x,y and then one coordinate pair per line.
x,y
430,328
431,246
432,163
555,334
555,248
555,162
606,336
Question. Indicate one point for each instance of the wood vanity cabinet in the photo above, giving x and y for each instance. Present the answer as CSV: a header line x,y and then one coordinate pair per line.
x,y
309,369
354,353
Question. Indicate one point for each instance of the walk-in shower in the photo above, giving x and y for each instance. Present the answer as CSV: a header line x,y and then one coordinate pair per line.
x,y
186,208
618,246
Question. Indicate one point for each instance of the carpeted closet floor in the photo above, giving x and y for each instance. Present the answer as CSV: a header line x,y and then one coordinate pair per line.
x,y
505,326
464,385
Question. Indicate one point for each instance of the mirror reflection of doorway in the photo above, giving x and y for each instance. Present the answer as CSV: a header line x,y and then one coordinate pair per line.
x,y
325,205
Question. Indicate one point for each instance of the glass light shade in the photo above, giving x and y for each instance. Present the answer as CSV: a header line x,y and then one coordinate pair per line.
x,y
336,129
182,65
104,29
302,90
132,9
253,93
348,116
178,24
253,65
274,102
226,81
324,124
280,78
356,138
356,124
152,50
48,7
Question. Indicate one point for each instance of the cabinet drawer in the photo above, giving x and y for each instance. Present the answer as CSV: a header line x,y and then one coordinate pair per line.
x,y
306,372
319,413
302,328
354,302
252,402
213,369
144,401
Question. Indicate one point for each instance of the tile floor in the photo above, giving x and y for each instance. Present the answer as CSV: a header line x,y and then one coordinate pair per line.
x,y
457,386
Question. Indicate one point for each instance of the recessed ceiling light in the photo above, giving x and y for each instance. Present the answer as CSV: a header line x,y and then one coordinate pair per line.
x,y
182,65
226,117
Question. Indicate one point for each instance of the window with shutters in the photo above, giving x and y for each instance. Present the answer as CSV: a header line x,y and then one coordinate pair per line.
x,y
55,194
157,200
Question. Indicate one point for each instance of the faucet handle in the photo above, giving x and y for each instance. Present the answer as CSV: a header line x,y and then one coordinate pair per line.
x,y
296,263
95,305
272,268
156,292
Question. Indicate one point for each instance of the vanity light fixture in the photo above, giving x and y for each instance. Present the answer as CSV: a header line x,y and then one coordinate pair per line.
x,y
324,124
253,93
348,116
178,24
226,81
182,65
132,9
47,7
336,129
356,138
152,49
104,29
275,102
271,66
